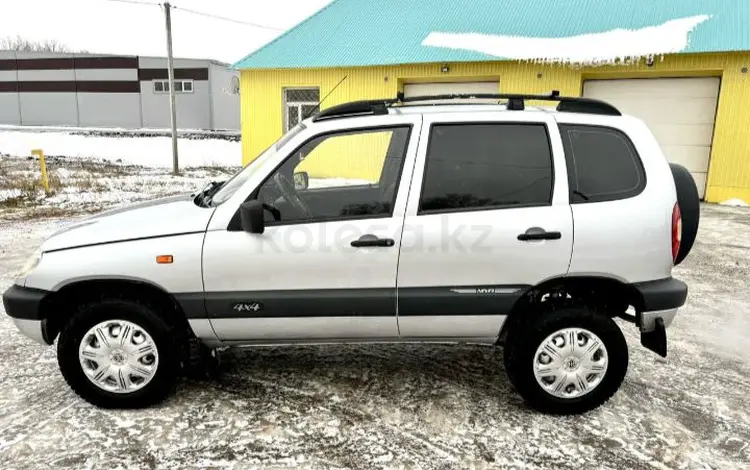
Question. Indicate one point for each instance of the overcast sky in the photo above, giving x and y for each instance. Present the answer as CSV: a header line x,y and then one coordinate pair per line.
x,y
107,26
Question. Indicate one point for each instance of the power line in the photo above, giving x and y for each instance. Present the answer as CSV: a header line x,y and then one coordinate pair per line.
x,y
135,2
232,20
201,13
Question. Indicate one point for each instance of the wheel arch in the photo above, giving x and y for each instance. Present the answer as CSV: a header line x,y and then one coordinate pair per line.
x,y
603,294
61,304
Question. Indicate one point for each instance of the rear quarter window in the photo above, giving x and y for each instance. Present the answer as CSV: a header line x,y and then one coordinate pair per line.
x,y
603,164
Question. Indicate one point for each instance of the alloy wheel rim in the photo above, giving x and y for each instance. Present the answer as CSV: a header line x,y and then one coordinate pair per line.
x,y
118,356
570,363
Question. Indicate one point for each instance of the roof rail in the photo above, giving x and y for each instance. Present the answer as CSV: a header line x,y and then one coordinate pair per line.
x,y
355,108
516,102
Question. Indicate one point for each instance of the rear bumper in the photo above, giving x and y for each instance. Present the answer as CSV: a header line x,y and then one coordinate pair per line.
x,y
23,305
648,319
664,294
660,301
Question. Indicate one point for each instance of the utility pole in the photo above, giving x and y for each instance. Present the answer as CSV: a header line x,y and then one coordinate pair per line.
x,y
170,71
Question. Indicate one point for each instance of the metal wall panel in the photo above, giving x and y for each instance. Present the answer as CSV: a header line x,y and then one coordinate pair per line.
x,y
106,74
9,111
49,109
225,106
192,108
109,110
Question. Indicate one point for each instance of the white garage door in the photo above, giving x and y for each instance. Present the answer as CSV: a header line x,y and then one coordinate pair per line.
x,y
680,112
425,89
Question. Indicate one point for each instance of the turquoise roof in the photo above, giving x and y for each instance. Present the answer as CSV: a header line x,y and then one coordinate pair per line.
x,y
378,32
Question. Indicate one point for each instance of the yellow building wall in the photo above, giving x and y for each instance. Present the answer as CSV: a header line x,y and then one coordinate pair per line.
x,y
355,156
729,167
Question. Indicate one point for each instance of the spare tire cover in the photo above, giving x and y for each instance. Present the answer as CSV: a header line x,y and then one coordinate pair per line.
x,y
689,201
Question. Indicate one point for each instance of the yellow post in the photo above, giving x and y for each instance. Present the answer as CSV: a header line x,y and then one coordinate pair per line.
x,y
43,164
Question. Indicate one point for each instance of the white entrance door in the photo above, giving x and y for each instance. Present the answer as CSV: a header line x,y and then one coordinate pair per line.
x,y
680,112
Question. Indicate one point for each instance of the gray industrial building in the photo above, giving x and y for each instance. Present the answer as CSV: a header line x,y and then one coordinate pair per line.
x,y
85,90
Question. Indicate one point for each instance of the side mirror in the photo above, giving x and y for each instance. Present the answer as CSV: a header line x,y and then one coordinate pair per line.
x,y
251,215
301,180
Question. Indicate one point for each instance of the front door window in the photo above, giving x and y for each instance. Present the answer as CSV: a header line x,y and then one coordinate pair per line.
x,y
339,176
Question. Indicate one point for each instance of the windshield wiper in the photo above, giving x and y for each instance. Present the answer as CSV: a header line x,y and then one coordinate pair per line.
x,y
204,196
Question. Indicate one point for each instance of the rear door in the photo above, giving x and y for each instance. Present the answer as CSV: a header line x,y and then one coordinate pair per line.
x,y
487,217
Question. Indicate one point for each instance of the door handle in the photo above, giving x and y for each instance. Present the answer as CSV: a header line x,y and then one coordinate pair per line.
x,y
538,233
372,240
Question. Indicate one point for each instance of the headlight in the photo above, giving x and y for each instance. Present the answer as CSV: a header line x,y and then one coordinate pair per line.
x,y
31,263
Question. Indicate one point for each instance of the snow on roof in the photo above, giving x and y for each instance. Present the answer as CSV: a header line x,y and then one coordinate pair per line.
x,y
366,32
593,48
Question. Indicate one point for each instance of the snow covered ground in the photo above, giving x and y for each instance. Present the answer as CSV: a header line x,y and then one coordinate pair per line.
x,y
84,186
153,151
405,406
90,170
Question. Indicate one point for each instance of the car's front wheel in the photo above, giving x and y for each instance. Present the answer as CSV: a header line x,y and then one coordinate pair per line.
x,y
567,362
119,353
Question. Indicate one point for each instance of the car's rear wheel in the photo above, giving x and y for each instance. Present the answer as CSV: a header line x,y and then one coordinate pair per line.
x,y
119,354
567,362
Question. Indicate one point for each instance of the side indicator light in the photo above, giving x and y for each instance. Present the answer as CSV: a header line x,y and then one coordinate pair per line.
x,y
164,259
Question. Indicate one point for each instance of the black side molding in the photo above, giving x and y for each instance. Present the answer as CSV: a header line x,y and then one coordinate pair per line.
x,y
663,294
375,302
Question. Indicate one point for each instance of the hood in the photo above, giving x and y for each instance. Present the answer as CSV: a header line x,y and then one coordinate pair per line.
x,y
161,217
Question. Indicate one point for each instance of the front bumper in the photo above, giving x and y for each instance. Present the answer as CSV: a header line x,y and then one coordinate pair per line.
x,y
24,306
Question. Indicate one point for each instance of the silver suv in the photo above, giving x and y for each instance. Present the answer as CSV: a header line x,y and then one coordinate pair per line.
x,y
410,219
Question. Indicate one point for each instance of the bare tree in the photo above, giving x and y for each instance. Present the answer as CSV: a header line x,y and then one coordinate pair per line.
x,y
21,44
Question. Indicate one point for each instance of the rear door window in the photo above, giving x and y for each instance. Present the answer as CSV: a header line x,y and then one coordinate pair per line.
x,y
603,164
476,166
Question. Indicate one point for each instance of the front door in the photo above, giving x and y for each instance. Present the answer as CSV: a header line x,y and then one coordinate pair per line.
x,y
325,267
488,217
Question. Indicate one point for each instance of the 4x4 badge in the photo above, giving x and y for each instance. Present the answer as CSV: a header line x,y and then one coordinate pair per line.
x,y
247,307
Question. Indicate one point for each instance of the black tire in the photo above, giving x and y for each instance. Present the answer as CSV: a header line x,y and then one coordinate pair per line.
x,y
520,360
689,201
514,326
167,339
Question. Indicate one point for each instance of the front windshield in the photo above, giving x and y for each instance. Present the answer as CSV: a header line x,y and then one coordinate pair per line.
x,y
239,178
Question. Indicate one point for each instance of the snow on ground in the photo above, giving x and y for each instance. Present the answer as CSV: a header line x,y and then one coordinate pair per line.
x,y
123,131
405,406
153,151
595,48
93,169
735,202
82,185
